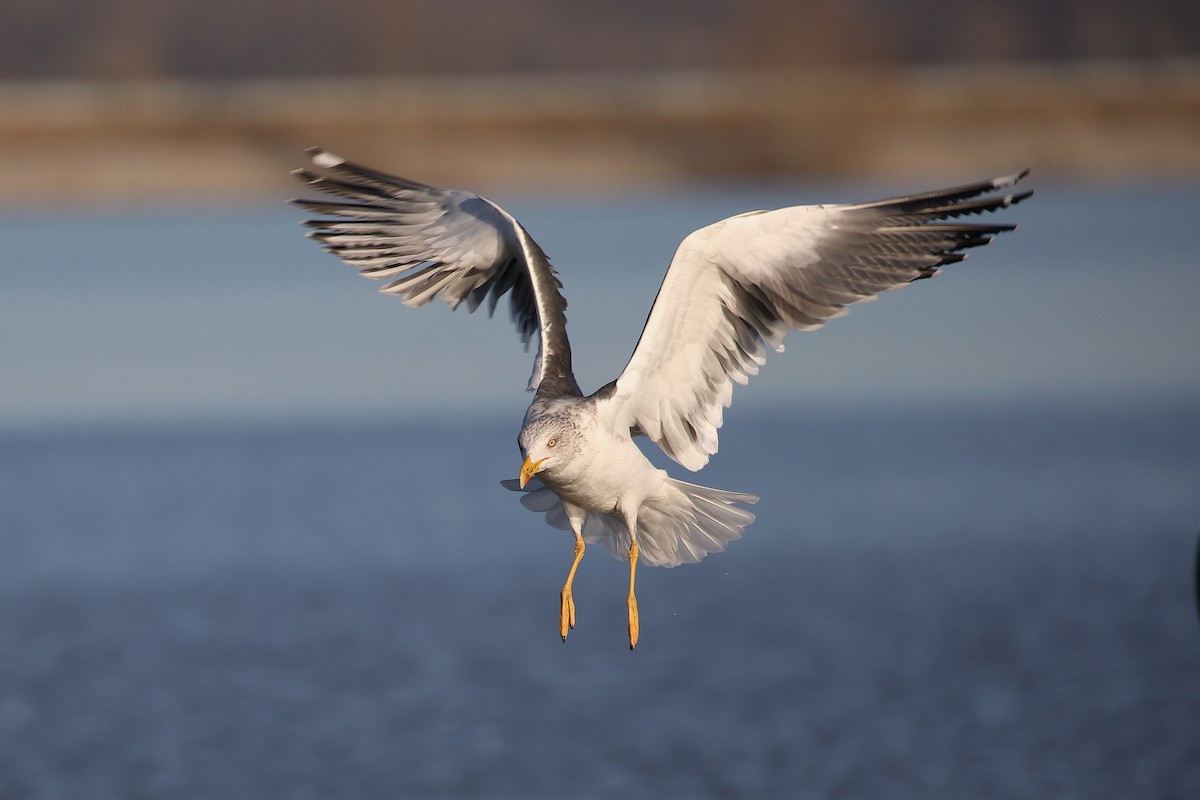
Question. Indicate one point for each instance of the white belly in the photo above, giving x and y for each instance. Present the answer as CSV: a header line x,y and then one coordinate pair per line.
x,y
614,475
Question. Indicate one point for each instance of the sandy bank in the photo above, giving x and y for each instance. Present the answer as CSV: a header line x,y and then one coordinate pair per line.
x,y
81,142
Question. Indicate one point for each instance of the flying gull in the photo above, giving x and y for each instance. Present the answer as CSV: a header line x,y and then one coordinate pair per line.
x,y
733,289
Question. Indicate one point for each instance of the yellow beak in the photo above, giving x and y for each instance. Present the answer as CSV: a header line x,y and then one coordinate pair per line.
x,y
529,469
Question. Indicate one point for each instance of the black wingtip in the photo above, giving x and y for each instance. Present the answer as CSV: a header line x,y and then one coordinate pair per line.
x,y
1012,180
1005,181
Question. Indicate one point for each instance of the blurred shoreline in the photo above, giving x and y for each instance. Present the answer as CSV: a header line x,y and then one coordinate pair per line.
x,y
90,143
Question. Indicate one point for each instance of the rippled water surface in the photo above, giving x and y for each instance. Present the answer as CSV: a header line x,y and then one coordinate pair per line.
x,y
935,603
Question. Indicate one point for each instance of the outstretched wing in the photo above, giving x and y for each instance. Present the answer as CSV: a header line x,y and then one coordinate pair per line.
x,y
741,284
443,243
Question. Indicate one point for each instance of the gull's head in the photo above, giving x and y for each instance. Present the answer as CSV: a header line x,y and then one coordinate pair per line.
x,y
546,443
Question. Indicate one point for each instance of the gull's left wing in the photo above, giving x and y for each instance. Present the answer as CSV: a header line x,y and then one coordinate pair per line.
x,y
741,284
443,243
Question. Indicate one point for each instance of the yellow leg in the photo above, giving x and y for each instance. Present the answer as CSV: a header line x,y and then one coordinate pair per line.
x,y
566,613
631,602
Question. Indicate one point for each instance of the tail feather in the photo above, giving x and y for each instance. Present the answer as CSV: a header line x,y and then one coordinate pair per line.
x,y
693,522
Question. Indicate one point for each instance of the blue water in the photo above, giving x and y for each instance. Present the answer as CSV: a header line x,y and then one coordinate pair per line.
x,y
252,541
933,603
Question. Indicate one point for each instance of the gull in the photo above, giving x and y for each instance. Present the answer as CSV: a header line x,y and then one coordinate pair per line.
x,y
733,289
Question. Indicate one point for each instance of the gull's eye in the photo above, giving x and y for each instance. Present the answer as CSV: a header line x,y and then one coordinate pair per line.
x,y
551,442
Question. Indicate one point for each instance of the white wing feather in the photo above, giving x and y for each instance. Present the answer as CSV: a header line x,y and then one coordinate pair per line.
x,y
738,286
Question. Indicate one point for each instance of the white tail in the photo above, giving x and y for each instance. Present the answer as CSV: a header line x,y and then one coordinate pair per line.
x,y
681,526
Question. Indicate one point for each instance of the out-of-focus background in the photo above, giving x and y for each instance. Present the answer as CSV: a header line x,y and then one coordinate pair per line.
x,y
252,541
125,99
